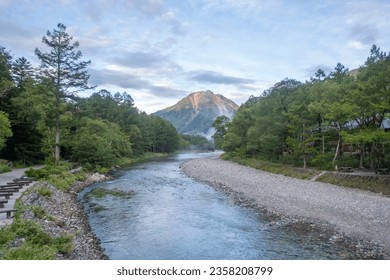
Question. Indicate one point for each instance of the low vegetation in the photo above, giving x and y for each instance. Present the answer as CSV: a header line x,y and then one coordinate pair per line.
x,y
377,184
59,175
34,243
278,168
101,192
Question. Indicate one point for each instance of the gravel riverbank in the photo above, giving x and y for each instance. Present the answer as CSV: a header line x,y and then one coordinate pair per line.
x,y
61,214
359,218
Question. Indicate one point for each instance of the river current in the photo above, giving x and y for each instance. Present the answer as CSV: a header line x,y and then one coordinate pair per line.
x,y
163,214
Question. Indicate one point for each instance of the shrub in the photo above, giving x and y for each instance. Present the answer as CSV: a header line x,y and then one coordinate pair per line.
x,y
35,243
64,244
45,192
4,168
57,175
38,211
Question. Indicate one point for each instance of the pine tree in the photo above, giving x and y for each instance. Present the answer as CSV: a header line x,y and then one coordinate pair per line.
x,y
62,66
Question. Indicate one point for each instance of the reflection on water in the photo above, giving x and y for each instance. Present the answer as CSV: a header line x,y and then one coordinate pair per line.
x,y
171,216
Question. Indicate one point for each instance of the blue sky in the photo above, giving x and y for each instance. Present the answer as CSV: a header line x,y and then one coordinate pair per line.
x,y
160,51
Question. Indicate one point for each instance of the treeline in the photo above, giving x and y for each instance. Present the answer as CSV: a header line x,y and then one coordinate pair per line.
x,y
41,117
196,142
340,119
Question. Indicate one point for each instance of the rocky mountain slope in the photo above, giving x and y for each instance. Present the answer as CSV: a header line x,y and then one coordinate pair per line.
x,y
195,113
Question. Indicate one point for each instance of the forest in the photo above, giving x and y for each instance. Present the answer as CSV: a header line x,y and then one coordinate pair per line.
x,y
339,119
42,118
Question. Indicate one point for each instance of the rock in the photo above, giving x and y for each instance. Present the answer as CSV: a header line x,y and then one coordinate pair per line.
x,y
62,215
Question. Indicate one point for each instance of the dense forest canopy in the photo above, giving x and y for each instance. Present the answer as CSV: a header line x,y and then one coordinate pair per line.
x,y
39,106
337,119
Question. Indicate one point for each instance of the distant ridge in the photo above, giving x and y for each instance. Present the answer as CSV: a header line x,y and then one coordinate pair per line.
x,y
195,113
354,72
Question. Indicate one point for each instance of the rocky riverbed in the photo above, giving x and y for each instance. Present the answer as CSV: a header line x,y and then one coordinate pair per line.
x,y
60,214
358,220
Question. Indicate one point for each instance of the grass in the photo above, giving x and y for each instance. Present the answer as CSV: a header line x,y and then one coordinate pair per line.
x,y
278,168
25,240
141,158
101,192
4,168
377,184
45,192
99,208
38,211
57,175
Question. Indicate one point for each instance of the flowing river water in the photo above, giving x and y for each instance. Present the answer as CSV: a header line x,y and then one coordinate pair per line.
x,y
153,210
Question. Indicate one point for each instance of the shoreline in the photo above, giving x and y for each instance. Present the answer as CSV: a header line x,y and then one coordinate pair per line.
x,y
358,220
60,213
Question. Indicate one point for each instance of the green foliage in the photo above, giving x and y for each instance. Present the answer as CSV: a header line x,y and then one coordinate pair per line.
x,y
197,142
40,109
33,114
67,74
35,243
38,211
220,124
58,175
45,192
101,192
323,122
63,244
5,128
100,143
277,168
4,167
378,184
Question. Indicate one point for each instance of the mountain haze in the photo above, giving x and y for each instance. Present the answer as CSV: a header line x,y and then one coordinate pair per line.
x,y
195,113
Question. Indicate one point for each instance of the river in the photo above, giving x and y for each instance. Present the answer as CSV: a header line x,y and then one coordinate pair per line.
x,y
153,210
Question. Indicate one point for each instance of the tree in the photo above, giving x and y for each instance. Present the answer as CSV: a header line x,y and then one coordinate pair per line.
x,y
63,67
21,71
5,72
220,124
5,129
371,100
33,124
99,143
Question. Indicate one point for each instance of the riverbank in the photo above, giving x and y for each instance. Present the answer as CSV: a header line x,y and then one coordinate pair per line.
x,y
357,219
358,179
51,224
51,219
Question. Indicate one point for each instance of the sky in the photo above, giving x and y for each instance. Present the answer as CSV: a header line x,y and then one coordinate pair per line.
x,y
159,51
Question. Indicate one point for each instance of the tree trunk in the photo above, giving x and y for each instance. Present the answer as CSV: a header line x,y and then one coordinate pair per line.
x,y
337,150
341,148
372,156
362,151
57,145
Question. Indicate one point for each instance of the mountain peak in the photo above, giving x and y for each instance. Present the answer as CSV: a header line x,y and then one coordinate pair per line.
x,y
195,113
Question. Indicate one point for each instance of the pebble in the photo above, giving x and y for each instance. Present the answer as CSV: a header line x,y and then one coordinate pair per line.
x,y
360,220
63,215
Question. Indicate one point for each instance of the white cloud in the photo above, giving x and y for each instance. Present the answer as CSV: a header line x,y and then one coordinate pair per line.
x,y
355,45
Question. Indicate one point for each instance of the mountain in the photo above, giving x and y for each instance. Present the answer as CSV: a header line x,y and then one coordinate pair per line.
x,y
195,113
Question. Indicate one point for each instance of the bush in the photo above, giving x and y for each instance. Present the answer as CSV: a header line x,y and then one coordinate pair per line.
x,y
38,211
100,143
4,168
323,161
64,244
348,160
35,243
57,175
44,192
